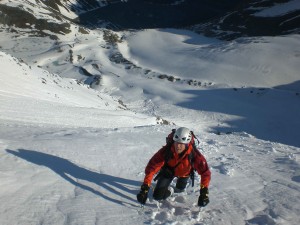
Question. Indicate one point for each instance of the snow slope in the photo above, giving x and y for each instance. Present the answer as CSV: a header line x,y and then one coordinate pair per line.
x,y
34,96
279,9
70,154
45,9
257,62
242,81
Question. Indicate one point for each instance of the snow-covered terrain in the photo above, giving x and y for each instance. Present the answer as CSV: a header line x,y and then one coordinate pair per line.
x,y
80,118
280,9
45,9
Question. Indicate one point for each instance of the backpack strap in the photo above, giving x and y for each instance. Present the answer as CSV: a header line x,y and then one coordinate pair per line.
x,y
191,160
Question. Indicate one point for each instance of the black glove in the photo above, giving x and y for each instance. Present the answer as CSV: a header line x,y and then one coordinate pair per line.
x,y
143,195
203,199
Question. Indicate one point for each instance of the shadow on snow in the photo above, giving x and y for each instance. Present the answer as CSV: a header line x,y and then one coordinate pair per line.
x,y
65,169
270,114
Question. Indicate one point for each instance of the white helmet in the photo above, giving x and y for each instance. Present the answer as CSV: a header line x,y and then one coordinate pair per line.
x,y
182,135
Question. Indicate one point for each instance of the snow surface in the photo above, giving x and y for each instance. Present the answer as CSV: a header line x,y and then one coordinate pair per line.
x,y
279,9
70,154
68,8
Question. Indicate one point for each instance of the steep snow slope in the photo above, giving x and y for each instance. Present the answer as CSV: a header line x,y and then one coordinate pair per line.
x,y
64,160
204,75
91,176
70,154
35,96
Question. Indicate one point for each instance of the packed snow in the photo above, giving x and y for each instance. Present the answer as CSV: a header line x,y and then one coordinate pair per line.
x,y
74,152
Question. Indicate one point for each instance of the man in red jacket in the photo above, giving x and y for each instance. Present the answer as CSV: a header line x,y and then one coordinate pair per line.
x,y
174,161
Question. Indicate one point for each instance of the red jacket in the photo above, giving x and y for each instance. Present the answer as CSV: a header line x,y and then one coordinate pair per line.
x,y
184,167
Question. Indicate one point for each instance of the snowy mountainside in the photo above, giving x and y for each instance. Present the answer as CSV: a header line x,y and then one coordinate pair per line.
x,y
66,8
255,18
38,97
67,157
43,18
81,114
248,70
242,18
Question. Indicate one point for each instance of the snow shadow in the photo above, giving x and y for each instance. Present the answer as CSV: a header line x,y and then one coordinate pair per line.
x,y
271,114
116,186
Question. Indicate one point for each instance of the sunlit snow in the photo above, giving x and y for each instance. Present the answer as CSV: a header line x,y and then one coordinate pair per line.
x,y
72,152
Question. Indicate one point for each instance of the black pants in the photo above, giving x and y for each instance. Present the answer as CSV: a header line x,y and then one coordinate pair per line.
x,y
161,188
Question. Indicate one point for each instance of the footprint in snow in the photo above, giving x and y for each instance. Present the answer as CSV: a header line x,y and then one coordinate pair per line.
x,y
225,169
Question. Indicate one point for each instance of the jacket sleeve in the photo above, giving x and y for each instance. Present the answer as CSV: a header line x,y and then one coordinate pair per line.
x,y
154,165
202,168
